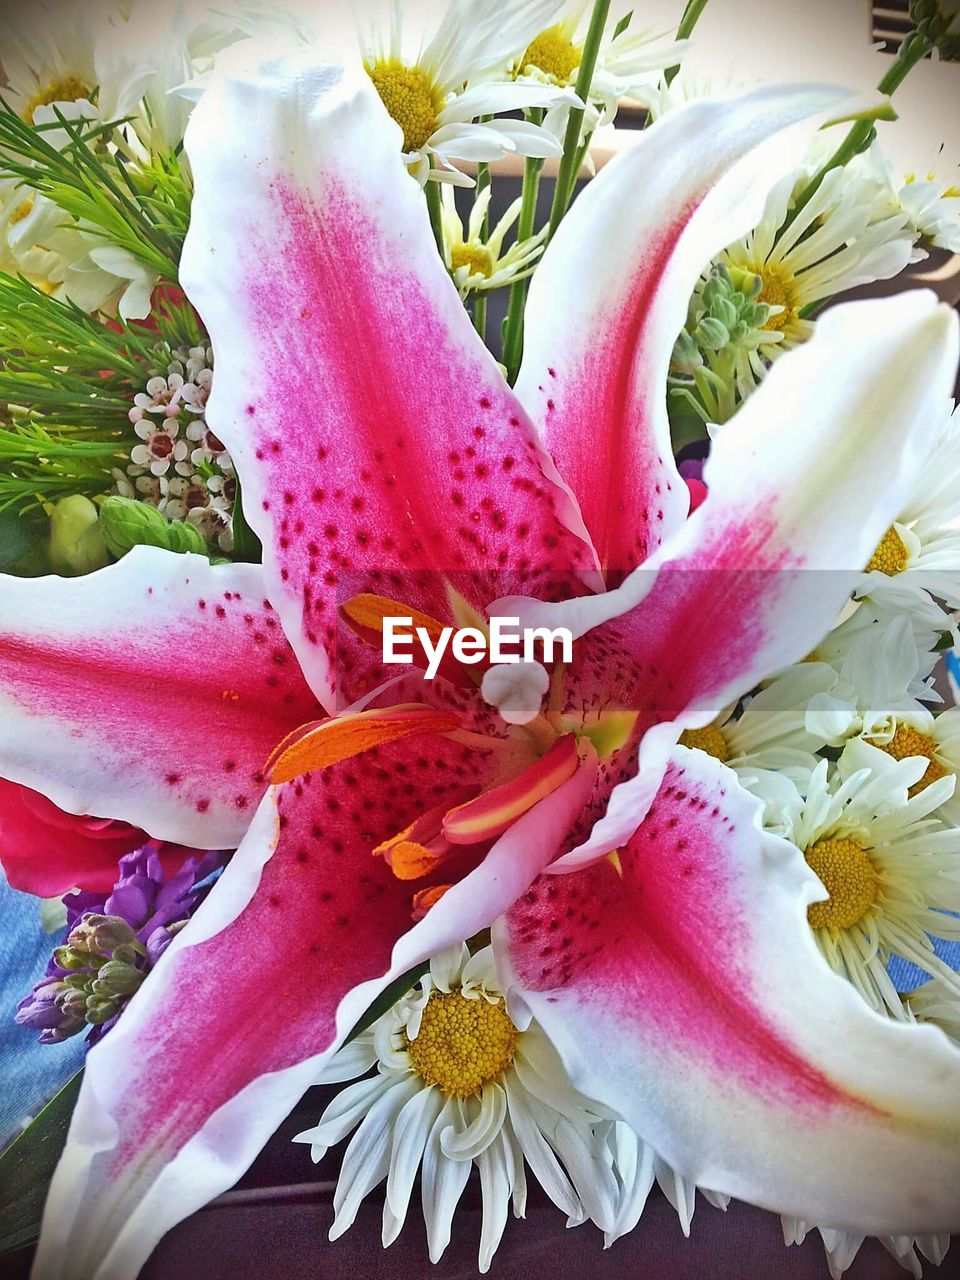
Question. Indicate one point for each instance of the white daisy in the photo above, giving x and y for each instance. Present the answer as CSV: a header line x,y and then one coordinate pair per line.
x,y
882,680
842,1248
833,244
931,202
769,731
921,733
459,1083
854,641
41,242
145,60
48,57
891,870
637,1166
935,1003
920,552
438,95
624,62
660,98
476,261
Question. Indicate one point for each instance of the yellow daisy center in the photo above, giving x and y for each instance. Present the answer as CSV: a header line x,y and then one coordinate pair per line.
x,y
777,291
474,256
709,739
410,98
850,878
890,556
911,742
462,1043
64,89
21,211
554,53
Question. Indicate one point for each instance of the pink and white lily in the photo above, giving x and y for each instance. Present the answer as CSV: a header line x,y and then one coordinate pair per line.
x,y
384,461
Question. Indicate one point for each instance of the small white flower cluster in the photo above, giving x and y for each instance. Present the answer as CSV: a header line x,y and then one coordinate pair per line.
x,y
179,466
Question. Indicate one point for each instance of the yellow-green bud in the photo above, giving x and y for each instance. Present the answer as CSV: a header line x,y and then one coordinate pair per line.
x,y
76,540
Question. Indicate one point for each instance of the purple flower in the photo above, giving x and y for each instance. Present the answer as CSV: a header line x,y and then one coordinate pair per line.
x,y
114,940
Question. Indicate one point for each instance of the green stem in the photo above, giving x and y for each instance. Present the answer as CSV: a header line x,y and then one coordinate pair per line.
x,y
480,300
432,193
513,324
480,313
691,15
861,133
567,175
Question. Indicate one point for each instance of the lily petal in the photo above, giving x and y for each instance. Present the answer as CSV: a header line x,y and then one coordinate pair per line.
x,y
152,691
374,435
693,1000
610,296
301,932
803,483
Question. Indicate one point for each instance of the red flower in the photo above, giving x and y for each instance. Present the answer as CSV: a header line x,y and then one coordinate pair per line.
x,y
46,851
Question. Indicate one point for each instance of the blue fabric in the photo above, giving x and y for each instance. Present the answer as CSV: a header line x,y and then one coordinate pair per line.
x,y
906,976
31,1073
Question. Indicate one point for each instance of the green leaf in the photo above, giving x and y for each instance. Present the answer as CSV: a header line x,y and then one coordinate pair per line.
x,y
27,1166
387,998
246,544
15,540
622,25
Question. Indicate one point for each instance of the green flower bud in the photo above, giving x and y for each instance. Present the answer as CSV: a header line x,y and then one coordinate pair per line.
x,y
117,979
724,311
76,539
686,353
712,334
938,21
70,957
74,1005
111,932
127,523
100,1009
77,981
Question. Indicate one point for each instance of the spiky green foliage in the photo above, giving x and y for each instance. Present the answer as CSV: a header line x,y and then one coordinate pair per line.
x,y
142,207
66,386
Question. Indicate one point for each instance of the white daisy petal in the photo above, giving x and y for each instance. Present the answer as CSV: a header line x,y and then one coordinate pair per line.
x,y
494,1165
366,1160
412,1128
467,1143
442,1184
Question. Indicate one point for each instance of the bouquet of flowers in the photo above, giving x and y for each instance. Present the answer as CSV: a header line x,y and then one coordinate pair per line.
x,y
535,734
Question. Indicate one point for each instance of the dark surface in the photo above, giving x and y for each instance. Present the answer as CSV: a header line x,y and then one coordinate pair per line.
x,y
274,1225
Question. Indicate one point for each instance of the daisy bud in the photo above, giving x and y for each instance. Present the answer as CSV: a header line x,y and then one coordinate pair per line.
x,y
938,21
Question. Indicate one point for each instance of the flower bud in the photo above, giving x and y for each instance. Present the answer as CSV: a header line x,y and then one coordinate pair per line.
x,y
938,21
69,957
76,540
127,523
100,1009
117,979
112,932
712,334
